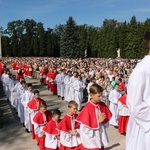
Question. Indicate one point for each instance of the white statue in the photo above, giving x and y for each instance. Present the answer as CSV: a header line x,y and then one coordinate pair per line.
x,y
85,54
118,52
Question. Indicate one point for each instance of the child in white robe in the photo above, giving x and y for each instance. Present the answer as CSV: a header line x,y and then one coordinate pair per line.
x,y
12,84
67,87
79,87
113,98
27,96
58,81
20,107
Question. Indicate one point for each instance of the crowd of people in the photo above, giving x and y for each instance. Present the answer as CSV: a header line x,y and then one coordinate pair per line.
x,y
73,80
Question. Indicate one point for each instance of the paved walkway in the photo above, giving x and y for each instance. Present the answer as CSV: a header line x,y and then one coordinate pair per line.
x,y
13,135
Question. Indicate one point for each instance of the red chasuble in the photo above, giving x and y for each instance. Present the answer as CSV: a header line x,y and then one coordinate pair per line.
x,y
88,115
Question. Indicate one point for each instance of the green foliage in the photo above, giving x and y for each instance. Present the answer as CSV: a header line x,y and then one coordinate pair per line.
x,y
69,41
29,38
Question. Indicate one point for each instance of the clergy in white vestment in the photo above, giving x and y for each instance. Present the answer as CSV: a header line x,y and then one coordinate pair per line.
x,y
20,107
58,82
67,87
27,96
72,90
17,86
113,98
12,84
138,102
62,77
79,86
7,82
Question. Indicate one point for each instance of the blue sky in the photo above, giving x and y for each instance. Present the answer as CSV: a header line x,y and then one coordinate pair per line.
x,y
55,12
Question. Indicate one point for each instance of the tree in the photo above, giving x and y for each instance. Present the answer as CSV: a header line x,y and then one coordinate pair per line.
x,y
29,38
83,39
69,42
30,31
122,31
41,36
131,39
6,46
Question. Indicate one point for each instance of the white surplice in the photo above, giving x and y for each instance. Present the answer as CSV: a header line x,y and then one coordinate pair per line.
x,y
27,96
15,102
12,91
7,82
123,111
113,98
58,81
67,139
50,140
72,90
79,86
138,102
67,88
62,77
20,107
94,138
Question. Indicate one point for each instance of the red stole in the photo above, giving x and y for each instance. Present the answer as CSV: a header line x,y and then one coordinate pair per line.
x,y
34,104
88,115
51,127
66,124
122,99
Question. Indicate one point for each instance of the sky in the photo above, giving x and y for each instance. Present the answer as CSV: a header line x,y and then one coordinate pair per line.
x,y
90,12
